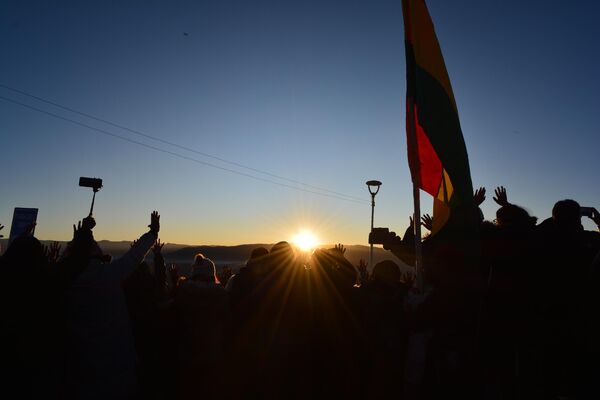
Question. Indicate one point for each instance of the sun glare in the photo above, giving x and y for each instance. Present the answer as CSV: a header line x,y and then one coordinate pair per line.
x,y
305,240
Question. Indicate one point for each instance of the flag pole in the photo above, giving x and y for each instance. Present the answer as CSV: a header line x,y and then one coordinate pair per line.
x,y
417,233
416,196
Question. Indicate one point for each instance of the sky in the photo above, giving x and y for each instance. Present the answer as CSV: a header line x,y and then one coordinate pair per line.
x,y
309,91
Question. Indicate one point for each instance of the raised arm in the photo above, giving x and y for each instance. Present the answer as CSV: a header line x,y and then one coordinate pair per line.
x,y
124,266
160,270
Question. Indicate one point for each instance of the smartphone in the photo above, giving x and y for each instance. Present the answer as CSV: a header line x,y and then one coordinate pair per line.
x,y
378,235
94,183
586,211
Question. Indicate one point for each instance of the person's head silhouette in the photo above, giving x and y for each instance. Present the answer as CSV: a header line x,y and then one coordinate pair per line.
x,y
567,215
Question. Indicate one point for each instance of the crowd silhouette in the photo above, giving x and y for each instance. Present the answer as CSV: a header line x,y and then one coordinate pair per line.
x,y
509,310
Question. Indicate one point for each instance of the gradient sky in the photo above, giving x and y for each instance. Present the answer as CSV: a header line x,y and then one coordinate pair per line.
x,y
308,90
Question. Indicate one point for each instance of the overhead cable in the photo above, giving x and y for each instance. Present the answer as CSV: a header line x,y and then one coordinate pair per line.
x,y
187,148
112,134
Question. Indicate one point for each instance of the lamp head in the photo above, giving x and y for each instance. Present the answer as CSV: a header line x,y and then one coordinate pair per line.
x,y
373,187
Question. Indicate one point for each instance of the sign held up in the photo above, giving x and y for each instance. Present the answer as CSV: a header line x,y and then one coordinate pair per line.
x,y
22,220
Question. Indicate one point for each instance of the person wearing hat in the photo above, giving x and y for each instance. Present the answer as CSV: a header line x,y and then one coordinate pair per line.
x,y
203,270
202,307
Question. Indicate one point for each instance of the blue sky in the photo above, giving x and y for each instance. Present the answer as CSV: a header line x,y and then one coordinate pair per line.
x,y
309,90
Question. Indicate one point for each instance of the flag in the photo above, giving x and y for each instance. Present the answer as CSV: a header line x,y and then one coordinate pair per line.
x,y
437,155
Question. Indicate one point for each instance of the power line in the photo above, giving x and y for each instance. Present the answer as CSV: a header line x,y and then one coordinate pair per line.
x,y
139,133
105,132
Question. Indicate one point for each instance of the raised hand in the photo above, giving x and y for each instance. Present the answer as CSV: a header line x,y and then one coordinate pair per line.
x,y
362,264
363,272
76,230
501,197
479,196
46,251
340,249
154,222
427,222
157,248
88,223
54,252
51,252
173,273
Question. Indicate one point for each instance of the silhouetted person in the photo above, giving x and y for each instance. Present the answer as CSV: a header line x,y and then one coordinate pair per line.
x,y
202,308
101,352
241,351
386,329
33,301
507,321
448,314
338,327
146,295
566,253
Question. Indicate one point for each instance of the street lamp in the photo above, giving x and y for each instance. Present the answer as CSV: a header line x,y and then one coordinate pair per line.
x,y
373,189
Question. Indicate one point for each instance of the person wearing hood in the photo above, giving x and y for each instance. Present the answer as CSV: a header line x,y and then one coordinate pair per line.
x,y
101,352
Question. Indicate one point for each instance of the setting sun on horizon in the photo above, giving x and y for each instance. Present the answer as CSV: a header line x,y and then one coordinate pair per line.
x,y
305,240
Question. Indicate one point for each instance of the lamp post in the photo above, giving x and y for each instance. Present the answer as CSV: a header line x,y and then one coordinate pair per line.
x,y
373,189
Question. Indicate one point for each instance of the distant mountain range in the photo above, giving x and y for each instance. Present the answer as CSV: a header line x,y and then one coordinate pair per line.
x,y
236,256
116,249
233,256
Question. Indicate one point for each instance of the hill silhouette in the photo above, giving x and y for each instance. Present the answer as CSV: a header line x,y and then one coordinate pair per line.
x,y
232,256
236,256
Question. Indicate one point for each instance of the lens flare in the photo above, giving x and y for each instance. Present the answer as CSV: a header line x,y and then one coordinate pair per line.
x,y
305,240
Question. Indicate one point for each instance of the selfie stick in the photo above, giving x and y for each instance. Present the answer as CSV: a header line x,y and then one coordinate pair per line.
x,y
93,199
375,185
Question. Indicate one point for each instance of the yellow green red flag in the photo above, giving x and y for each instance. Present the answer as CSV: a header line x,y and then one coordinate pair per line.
x,y
437,154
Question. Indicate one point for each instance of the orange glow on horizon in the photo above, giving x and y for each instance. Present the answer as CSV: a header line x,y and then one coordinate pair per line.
x,y
305,240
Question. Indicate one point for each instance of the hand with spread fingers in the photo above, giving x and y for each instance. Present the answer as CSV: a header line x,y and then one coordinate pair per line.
x,y
479,196
363,272
154,222
501,197
54,251
340,249
157,248
427,222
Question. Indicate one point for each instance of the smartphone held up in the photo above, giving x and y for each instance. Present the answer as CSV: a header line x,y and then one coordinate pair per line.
x,y
586,211
95,184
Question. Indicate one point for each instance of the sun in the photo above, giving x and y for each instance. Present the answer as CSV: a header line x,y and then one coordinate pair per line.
x,y
305,240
